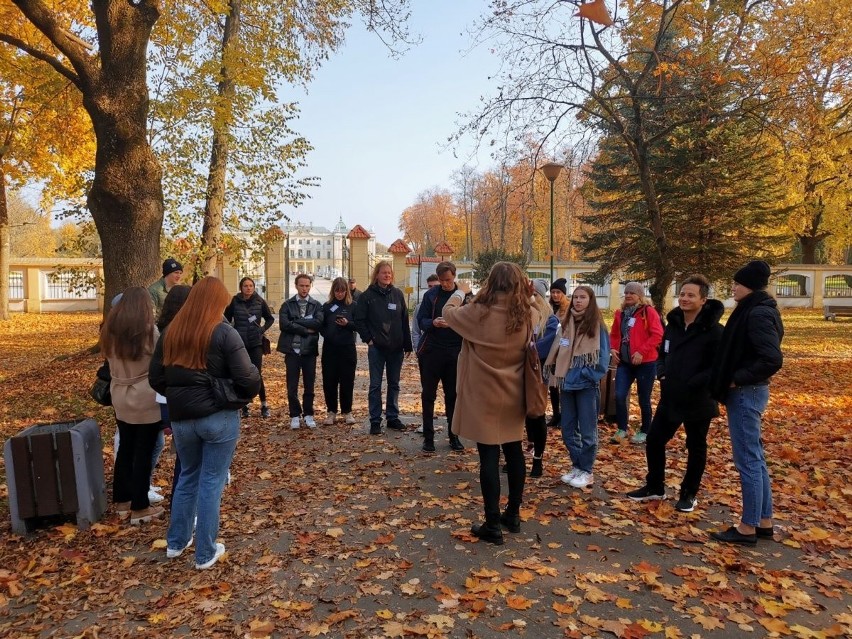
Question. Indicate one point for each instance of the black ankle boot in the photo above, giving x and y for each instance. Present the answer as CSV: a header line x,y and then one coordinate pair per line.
x,y
455,443
536,467
511,521
490,531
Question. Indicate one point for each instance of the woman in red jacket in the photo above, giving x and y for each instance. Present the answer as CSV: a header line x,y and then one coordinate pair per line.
x,y
634,339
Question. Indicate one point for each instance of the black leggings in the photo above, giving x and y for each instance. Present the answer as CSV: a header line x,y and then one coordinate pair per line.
x,y
132,471
489,477
537,434
255,354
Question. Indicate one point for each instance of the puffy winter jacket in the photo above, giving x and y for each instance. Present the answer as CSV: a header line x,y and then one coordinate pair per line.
x,y
188,392
381,317
646,334
245,314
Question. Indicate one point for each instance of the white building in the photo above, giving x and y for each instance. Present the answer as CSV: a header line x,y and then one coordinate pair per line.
x,y
317,251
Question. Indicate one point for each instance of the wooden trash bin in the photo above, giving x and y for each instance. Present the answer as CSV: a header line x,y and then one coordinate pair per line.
x,y
55,472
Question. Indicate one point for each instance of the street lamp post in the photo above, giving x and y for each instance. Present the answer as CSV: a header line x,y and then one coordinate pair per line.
x,y
551,172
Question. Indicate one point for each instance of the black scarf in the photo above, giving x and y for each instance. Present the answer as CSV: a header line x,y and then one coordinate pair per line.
x,y
733,343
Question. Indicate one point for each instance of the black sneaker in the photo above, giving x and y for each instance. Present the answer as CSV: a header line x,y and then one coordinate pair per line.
x,y
396,424
264,412
455,443
375,428
428,447
686,503
646,494
245,411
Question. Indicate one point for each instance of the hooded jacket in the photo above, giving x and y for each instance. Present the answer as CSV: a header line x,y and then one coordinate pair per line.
x,y
686,362
645,335
381,317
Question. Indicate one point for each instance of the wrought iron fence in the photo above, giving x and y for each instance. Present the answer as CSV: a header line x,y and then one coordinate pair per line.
x,y
67,286
16,285
838,286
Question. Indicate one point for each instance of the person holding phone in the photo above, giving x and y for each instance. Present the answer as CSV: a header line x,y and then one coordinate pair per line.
x,y
339,358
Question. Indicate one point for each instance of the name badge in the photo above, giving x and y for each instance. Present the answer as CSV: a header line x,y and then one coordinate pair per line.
x,y
391,307
334,308
309,316
666,346
565,342
252,318
631,322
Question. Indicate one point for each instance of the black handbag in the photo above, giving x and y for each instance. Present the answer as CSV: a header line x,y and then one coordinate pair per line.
x,y
100,391
225,394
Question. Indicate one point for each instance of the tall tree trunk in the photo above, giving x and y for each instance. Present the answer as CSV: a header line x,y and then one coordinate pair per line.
x,y
214,207
5,255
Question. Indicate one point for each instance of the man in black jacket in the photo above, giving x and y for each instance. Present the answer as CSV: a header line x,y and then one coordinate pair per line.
x,y
300,319
438,355
749,355
381,318
690,342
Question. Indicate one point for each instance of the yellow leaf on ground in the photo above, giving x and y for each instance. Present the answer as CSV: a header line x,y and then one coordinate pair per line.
x,y
384,614
517,602
212,620
159,544
334,532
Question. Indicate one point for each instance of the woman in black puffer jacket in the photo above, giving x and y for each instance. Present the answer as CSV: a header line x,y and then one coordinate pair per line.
x,y
245,311
196,347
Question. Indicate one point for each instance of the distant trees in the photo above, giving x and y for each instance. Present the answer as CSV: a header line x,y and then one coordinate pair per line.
x,y
486,259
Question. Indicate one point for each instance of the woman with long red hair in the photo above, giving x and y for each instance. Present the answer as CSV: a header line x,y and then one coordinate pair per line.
x,y
197,347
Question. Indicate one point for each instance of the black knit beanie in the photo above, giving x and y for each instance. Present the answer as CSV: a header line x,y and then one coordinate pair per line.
x,y
560,285
754,275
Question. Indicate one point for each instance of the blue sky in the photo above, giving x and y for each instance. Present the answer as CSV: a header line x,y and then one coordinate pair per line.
x,y
378,124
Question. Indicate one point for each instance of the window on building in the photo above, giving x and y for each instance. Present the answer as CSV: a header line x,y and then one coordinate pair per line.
x,y
308,253
300,240
300,252
319,242
328,242
328,255
292,252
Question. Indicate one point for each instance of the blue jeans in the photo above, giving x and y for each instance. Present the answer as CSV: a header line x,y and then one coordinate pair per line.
x,y
579,424
745,405
381,360
644,374
206,447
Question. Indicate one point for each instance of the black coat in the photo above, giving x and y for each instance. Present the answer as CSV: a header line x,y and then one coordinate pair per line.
x,y
240,310
307,328
188,392
750,352
333,334
686,362
381,317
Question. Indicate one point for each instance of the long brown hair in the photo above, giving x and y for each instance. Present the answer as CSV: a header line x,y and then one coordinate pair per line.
x,y
337,284
188,338
128,332
592,318
507,277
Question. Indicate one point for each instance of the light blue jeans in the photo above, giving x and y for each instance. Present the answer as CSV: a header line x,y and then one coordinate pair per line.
x,y
579,424
206,447
745,406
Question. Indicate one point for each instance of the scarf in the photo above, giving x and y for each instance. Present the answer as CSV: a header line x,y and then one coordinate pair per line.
x,y
582,350
733,342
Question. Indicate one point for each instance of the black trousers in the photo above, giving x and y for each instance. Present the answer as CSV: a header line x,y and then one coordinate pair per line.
x,y
489,477
537,434
554,402
662,429
437,365
338,372
132,472
304,366
255,354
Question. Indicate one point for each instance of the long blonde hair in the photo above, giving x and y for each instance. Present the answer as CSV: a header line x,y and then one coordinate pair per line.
x,y
188,337
545,310
507,278
377,268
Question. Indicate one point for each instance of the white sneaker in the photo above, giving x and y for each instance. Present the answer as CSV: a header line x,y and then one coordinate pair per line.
x,y
329,419
309,421
154,495
295,423
347,417
171,554
582,479
220,550
419,429
571,474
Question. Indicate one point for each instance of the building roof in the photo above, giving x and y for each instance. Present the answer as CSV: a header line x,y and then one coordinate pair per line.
x,y
414,260
358,232
399,247
442,248
299,227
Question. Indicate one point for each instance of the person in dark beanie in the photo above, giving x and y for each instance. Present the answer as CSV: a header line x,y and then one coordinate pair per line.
x,y
559,302
749,355
172,274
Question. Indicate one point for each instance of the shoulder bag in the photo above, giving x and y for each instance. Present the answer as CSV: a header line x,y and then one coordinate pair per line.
x,y
100,391
225,394
535,391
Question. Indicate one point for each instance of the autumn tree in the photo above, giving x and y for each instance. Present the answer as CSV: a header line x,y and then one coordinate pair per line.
x,y
433,218
486,259
564,76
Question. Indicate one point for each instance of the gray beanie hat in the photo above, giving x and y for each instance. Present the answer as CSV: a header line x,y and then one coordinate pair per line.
x,y
540,286
634,287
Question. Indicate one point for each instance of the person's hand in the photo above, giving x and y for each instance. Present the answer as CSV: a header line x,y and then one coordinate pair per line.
x,y
341,321
464,287
636,359
614,354
440,322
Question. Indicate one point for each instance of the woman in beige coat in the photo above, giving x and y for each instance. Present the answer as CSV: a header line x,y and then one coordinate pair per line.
x,y
127,341
490,408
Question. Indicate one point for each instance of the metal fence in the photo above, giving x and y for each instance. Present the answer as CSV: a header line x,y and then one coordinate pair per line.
x,y
838,286
791,286
67,286
16,285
